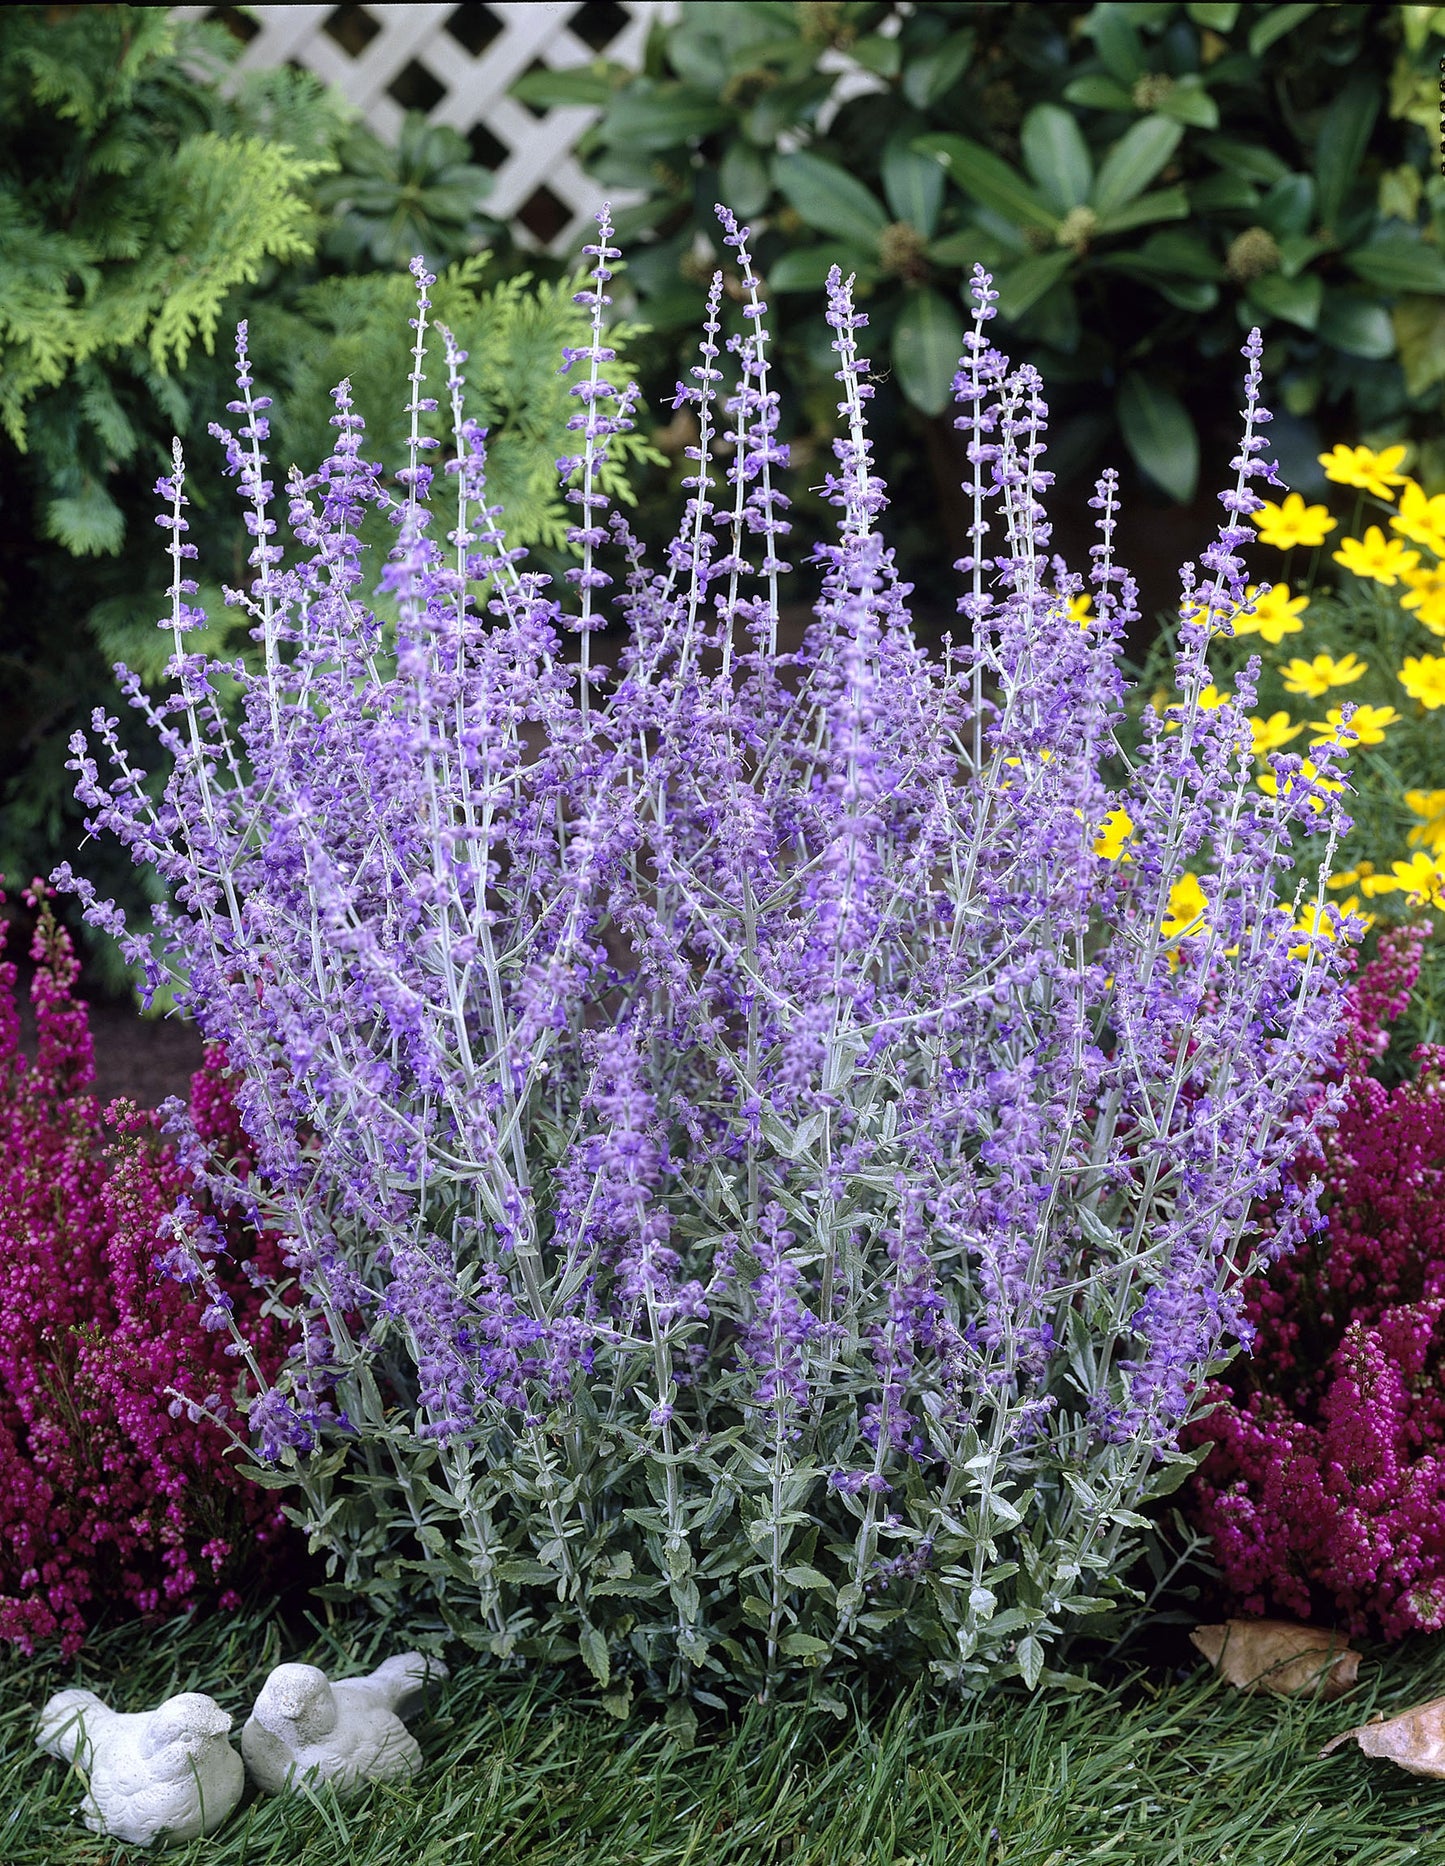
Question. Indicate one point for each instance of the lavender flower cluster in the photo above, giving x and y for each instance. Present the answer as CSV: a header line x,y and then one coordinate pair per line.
x,y
762,1174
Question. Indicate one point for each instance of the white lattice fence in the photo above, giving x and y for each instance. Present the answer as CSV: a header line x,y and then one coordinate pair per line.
x,y
455,63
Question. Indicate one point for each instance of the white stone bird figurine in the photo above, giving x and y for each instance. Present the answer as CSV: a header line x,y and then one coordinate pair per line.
x,y
348,1733
167,1774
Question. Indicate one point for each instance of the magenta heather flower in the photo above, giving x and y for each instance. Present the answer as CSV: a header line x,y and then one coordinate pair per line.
x,y
1324,1493
733,1145
113,1494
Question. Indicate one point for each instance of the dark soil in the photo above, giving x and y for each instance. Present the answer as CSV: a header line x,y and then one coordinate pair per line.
x,y
143,1058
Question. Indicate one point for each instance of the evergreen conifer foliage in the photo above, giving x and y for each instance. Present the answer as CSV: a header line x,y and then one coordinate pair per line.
x,y
147,210
133,201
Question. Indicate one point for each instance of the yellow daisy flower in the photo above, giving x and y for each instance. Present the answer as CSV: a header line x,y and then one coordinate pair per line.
x,y
1421,877
1292,523
1358,466
1427,585
1366,728
1318,676
1114,832
1429,806
1423,678
1364,877
1431,615
1269,783
1187,907
1318,920
1276,613
1375,558
1421,520
1314,919
1352,906
1079,608
1272,733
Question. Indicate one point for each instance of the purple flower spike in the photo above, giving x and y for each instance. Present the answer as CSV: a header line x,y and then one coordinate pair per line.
x,y
735,1145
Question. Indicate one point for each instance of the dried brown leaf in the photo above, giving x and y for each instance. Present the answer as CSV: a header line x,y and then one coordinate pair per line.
x,y
1415,1740
1277,1655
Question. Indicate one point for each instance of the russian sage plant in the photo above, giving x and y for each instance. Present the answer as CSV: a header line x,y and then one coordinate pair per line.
x,y
762,1166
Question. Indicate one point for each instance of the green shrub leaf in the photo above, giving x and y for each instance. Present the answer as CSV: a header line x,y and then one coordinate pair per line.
x,y
1188,294
935,73
875,53
1215,18
1056,155
806,268
593,1647
1097,92
1399,265
1190,103
1159,434
1297,301
1222,194
927,343
1116,42
987,178
1133,162
1162,204
1022,286
743,178
88,523
1357,325
1344,136
580,84
653,117
1420,338
1289,207
1276,23
827,197
1170,253
1251,160
912,186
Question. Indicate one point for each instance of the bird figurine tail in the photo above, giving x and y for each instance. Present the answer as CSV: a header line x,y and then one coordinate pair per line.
x,y
68,1724
403,1683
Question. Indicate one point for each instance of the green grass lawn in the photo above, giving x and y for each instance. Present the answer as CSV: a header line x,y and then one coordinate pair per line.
x,y
1155,1768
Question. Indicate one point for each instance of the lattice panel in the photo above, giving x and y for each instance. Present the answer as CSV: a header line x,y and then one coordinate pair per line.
x,y
454,63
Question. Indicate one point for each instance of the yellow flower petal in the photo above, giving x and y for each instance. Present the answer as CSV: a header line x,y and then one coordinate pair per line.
x,y
1272,733
1114,832
1187,907
1323,672
1423,678
1373,557
1284,526
1429,807
1367,727
1371,472
1422,878
1269,783
1275,613
1421,520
